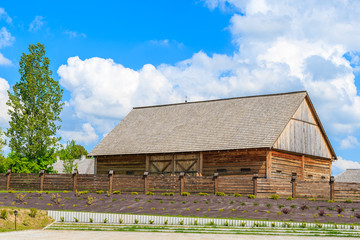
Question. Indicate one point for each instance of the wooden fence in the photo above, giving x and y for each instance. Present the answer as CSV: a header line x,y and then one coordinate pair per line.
x,y
260,187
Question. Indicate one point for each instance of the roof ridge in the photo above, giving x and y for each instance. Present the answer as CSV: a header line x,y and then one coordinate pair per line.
x,y
222,99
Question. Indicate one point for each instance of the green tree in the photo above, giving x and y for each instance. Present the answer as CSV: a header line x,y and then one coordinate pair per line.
x,y
3,160
71,152
35,105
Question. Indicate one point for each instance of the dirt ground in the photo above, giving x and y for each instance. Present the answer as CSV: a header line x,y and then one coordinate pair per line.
x,y
193,205
77,235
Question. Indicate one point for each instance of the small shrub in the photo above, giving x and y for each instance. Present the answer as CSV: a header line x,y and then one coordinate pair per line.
x,y
150,193
203,194
151,221
116,192
108,193
76,220
149,200
168,194
353,210
181,222
33,212
279,213
281,206
340,209
251,196
195,222
136,221
328,215
62,219
67,198
120,221
11,191
268,205
195,201
83,192
243,224
161,201
348,201
321,212
331,201
330,208
285,210
183,202
113,200
65,191
91,220
273,224
187,209
318,225
226,223
172,202
274,196
152,208
5,197
100,192
49,204
233,210
255,211
212,223
206,202
221,210
255,204
185,194
267,211
3,214
13,203
108,206
141,208
315,215
293,206
242,204
134,193
303,207
311,199
290,198
220,194
237,195
105,220
74,205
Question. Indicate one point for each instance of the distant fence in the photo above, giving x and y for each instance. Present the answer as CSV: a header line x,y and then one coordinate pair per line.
x,y
260,187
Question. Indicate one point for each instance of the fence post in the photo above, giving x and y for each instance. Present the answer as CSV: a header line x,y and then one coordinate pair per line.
x,y
182,174
111,176
332,186
74,175
8,176
216,182
42,175
146,182
255,184
293,185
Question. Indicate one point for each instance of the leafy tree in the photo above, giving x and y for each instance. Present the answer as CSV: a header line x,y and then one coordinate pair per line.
x,y
35,105
3,160
71,152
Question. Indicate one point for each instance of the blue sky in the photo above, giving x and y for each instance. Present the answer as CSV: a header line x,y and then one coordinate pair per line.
x,y
110,56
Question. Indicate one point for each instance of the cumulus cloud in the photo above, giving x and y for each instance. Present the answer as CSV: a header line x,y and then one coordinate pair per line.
x,y
349,142
5,16
5,38
4,117
73,34
86,135
36,24
167,43
341,164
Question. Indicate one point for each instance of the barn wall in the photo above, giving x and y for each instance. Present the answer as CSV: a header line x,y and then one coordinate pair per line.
x,y
283,165
121,164
303,135
234,162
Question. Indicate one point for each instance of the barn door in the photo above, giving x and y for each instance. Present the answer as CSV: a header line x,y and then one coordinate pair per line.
x,y
161,164
187,163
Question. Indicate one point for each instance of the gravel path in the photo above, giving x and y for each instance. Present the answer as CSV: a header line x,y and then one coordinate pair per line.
x,y
102,235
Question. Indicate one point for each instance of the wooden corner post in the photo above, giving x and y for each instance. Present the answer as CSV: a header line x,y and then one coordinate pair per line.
x,y
111,176
255,184
332,187
268,165
216,182
182,182
42,175
293,185
75,175
8,177
146,182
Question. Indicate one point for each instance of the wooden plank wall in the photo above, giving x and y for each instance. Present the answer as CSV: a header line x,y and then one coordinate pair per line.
x,y
235,184
233,161
203,184
267,187
2,181
283,165
317,169
25,181
58,182
160,184
343,190
313,189
92,182
120,164
127,184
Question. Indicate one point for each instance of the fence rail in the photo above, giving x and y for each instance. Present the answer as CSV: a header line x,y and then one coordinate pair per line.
x,y
260,187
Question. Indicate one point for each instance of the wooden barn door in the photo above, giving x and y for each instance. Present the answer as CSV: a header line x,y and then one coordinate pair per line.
x,y
187,163
161,164
174,164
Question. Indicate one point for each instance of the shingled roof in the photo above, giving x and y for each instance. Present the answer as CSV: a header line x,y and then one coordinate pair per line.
x,y
350,175
226,124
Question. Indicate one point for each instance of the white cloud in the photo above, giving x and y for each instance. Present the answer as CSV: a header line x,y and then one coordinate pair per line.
x,y
73,34
4,117
167,43
4,15
36,24
4,60
5,38
342,164
87,135
349,142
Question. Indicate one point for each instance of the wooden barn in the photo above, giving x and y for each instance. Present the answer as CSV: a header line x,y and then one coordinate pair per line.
x,y
273,136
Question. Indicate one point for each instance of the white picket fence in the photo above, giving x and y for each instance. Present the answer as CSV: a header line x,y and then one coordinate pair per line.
x,y
112,218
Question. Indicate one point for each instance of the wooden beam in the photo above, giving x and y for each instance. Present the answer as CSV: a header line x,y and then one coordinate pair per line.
x,y
302,166
201,163
268,165
147,163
